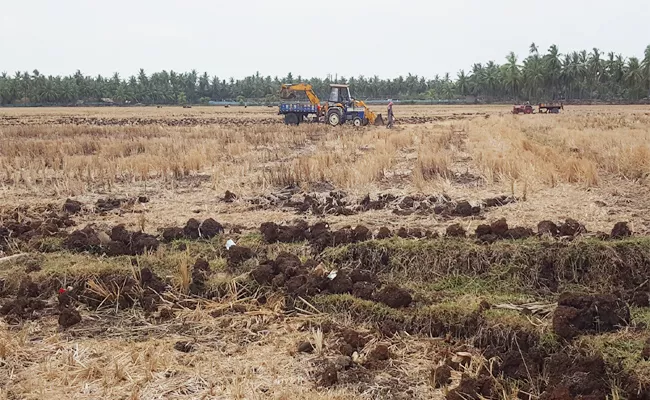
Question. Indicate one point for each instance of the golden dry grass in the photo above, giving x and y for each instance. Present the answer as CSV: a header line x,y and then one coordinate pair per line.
x,y
563,164
247,356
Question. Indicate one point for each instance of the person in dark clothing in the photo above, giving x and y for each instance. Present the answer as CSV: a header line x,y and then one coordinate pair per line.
x,y
391,116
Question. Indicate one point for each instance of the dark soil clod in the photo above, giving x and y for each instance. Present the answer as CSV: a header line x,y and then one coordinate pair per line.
x,y
354,339
184,347
548,228
238,254
621,230
379,353
305,347
173,233
571,227
384,233
69,317
72,206
499,227
455,230
191,229
210,228
327,375
441,376
483,230
394,296
363,290
579,314
229,197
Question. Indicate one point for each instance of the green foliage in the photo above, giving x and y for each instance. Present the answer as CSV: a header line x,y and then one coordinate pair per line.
x,y
204,100
576,75
182,99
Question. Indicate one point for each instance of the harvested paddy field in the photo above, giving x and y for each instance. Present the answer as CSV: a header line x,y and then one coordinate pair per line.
x,y
216,253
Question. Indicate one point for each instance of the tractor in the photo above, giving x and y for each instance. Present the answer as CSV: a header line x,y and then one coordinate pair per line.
x,y
522,109
339,108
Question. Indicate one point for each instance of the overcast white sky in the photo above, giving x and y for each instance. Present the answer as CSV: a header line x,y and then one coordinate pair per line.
x,y
310,38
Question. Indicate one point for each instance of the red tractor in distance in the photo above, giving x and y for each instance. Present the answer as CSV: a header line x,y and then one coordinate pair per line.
x,y
522,109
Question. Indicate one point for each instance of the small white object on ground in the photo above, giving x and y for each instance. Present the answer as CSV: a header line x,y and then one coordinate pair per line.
x,y
332,275
229,244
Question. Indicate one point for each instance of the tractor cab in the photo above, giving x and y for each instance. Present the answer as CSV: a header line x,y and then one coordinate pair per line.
x,y
339,94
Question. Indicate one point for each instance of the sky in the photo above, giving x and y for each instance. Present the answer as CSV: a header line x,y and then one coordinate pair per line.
x,y
308,38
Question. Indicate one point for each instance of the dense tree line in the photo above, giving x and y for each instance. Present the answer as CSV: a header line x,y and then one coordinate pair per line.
x,y
578,75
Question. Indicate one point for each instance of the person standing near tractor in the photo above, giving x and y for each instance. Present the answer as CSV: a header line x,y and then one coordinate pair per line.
x,y
391,116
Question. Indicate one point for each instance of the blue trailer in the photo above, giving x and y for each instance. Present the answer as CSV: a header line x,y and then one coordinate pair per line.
x,y
295,113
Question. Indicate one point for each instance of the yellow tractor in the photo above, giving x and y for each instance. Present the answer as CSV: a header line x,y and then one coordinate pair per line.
x,y
342,107
339,108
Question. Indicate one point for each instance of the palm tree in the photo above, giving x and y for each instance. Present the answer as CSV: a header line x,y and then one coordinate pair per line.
x,y
553,68
634,77
646,68
512,75
462,83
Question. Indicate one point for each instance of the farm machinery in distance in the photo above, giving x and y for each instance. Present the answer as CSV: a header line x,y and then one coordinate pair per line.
x,y
339,108
542,108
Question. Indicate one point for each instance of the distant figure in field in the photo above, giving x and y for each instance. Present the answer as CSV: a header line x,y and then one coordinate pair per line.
x,y
391,116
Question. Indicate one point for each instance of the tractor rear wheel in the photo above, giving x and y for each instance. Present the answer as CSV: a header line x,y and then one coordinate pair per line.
x,y
291,119
334,117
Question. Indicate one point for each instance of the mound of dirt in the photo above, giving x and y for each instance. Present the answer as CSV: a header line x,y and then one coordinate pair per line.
x,y
441,376
483,230
229,197
184,347
519,233
105,205
394,296
273,233
210,228
124,242
588,314
340,284
200,273
498,201
191,229
149,280
464,209
171,234
572,377
455,230
354,339
384,233
327,375
236,255
499,227
571,227
621,230
72,206
69,317
85,239
363,290
20,309
305,347
548,228
379,353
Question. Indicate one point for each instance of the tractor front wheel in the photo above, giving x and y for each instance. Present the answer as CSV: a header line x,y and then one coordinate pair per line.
x,y
357,122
